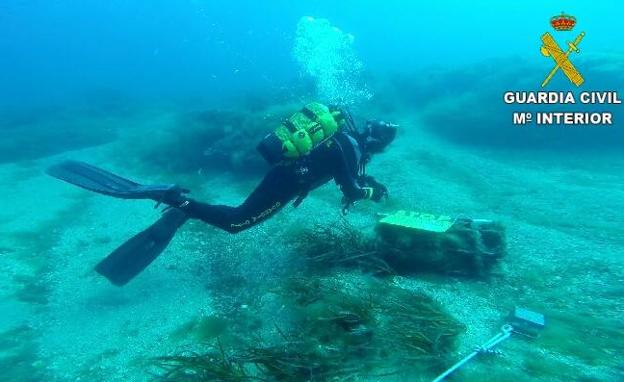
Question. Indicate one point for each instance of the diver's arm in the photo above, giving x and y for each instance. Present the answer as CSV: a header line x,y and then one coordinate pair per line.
x,y
346,178
355,187
351,189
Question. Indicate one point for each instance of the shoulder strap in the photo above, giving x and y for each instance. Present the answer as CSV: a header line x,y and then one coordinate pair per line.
x,y
345,140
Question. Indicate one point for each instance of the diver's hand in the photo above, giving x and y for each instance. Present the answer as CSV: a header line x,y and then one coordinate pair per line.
x,y
377,190
346,205
174,196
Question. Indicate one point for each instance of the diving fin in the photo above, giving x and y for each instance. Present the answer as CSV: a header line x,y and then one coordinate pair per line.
x,y
98,180
133,256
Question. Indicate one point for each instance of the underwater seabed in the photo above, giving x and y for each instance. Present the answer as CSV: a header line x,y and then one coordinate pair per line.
x,y
211,293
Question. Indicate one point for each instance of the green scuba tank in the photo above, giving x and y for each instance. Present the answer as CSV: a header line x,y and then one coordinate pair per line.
x,y
298,135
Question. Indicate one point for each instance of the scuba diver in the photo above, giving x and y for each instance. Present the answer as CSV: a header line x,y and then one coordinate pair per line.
x,y
315,145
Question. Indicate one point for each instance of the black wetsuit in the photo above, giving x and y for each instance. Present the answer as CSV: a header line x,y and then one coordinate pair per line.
x,y
339,159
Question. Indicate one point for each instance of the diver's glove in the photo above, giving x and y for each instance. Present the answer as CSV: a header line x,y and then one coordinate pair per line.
x,y
375,191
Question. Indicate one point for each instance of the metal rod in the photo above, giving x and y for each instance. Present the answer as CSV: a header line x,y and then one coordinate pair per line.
x,y
505,333
456,366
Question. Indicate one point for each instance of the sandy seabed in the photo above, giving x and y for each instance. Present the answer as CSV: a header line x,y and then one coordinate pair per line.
x,y
62,322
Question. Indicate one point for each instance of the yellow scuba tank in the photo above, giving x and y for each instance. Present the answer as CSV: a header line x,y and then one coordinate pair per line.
x,y
298,135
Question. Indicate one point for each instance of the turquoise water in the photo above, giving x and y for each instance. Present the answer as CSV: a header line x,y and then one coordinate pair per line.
x,y
183,91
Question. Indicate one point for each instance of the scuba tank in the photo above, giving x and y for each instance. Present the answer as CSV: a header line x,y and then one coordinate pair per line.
x,y
301,133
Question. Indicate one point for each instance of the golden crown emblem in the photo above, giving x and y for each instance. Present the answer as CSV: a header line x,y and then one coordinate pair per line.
x,y
563,22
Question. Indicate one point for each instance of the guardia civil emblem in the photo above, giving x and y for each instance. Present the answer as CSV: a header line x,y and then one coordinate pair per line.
x,y
562,23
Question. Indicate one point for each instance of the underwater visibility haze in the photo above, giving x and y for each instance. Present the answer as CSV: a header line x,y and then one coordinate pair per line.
x,y
344,191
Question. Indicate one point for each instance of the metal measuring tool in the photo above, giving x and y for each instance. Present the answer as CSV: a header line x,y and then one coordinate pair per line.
x,y
522,321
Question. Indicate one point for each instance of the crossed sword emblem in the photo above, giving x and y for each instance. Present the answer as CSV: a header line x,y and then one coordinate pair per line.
x,y
562,60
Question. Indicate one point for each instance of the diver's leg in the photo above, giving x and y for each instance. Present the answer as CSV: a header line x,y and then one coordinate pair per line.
x,y
277,188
